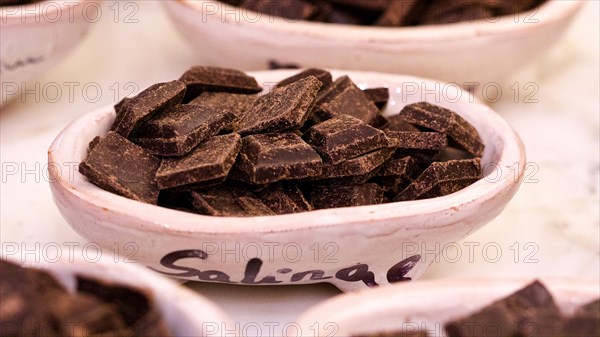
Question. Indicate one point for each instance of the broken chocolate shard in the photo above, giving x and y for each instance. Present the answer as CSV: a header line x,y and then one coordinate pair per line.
x,y
119,166
424,147
360,168
323,197
178,130
154,100
396,174
344,137
208,163
285,198
396,123
343,97
238,104
322,75
441,179
228,200
284,108
379,96
272,157
199,79
446,121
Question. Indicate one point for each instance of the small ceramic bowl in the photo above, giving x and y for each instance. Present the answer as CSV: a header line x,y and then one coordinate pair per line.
x,y
185,312
429,304
348,247
481,51
37,36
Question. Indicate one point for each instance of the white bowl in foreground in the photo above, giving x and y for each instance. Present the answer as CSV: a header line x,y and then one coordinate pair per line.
x,y
481,51
348,247
185,312
35,37
430,304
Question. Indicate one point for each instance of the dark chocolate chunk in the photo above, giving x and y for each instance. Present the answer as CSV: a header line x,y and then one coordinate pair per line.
x,y
177,200
154,100
530,309
424,147
333,196
273,157
396,174
379,96
288,9
359,169
451,153
441,179
344,97
178,130
120,112
199,79
274,65
93,143
119,166
344,137
397,13
322,75
228,200
396,123
285,198
238,104
584,323
443,120
381,122
282,109
207,164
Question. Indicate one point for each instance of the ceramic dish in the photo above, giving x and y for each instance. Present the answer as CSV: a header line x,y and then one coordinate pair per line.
x,y
429,304
479,51
185,312
37,36
348,247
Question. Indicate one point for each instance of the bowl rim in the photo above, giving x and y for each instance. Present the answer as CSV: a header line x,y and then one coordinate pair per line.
x,y
401,295
183,223
8,17
551,11
187,302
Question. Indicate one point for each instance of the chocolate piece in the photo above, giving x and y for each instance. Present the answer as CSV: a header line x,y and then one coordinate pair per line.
x,y
282,109
180,129
322,75
529,309
285,198
379,96
441,179
93,143
346,196
381,122
208,164
273,157
154,100
274,65
177,200
396,174
359,169
119,166
238,104
584,323
443,120
288,9
199,79
396,123
451,153
228,200
397,13
344,137
424,147
344,97
120,112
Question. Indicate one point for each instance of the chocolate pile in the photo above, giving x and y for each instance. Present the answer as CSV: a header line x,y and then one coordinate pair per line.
x,y
390,13
33,303
208,143
530,311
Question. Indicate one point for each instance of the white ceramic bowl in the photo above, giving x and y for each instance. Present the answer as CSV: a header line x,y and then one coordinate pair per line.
x,y
185,312
37,36
478,51
347,247
429,304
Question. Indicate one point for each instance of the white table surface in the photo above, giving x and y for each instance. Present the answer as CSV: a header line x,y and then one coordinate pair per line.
x,y
551,227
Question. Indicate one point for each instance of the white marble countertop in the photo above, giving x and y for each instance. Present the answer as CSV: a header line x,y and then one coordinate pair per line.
x,y
551,227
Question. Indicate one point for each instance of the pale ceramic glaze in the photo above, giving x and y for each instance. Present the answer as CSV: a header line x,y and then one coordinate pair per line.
x,y
477,51
429,304
37,36
185,312
345,244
